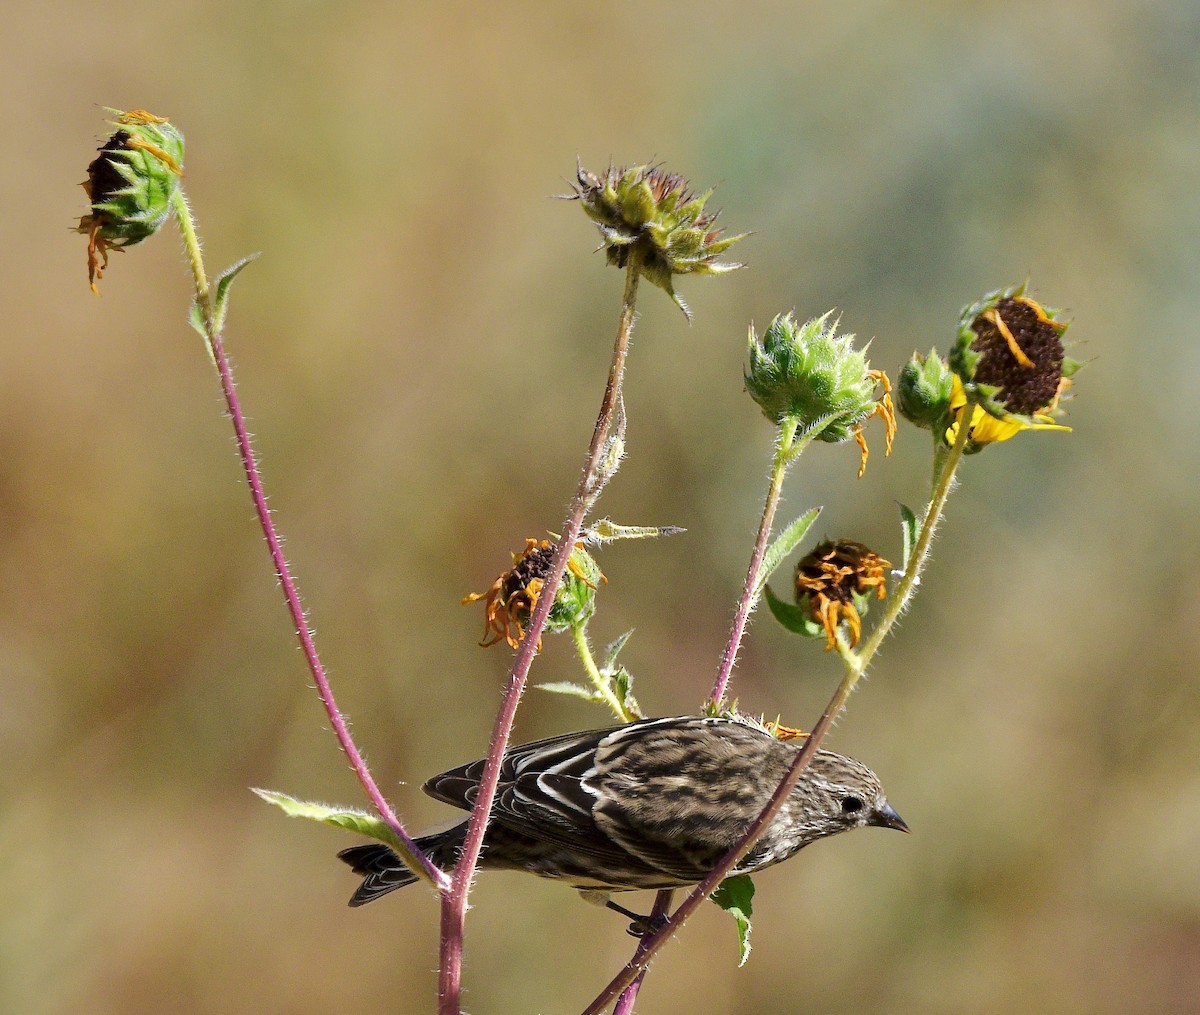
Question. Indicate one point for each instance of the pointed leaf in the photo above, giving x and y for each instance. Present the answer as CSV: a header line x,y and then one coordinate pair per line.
x,y
736,896
613,650
566,687
224,281
353,820
220,290
794,618
908,523
784,544
623,685
607,531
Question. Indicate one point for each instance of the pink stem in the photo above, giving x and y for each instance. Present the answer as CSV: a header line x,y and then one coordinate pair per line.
x,y
303,632
746,603
454,901
652,943
662,902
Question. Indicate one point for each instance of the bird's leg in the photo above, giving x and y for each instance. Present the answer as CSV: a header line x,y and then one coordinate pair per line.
x,y
639,926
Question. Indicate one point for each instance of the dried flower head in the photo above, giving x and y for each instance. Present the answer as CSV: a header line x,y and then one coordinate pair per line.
x,y
834,582
810,374
650,215
129,185
1010,368
513,596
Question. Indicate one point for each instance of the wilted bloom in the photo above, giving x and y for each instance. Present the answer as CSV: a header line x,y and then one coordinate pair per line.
x,y
1010,368
810,374
129,185
513,596
834,581
646,213
781,732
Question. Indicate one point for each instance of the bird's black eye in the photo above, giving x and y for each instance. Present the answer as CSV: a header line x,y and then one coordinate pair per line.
x,y
851,804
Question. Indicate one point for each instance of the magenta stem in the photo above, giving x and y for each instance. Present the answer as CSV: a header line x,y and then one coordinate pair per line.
x,y
783,455
303,631
454,901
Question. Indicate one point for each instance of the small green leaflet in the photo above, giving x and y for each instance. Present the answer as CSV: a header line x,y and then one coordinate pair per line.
x,y
568,687
220,290
614,650
736,896
340,817
908,524
795,618
784,544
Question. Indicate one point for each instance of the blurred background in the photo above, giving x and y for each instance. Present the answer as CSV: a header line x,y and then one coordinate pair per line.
x,y
421,350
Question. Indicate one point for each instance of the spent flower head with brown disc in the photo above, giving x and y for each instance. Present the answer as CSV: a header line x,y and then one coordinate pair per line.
x,y
511,599
1010,368
811,375
834,583
652,217
130,185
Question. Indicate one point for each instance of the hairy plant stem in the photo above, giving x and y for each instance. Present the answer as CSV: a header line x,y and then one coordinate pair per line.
x,y
602,684
856,664
624,1005
786,452
454,901
412,855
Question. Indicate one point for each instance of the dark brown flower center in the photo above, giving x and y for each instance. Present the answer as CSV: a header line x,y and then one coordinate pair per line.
x,y
1023,388
535,563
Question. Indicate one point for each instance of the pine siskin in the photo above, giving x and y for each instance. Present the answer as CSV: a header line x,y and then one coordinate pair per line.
x,y
653,804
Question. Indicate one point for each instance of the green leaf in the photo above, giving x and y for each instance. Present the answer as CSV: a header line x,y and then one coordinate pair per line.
x,y
340,817
908,523
608,531
623,685
614,650
220,291
224,281
794,618
567,687
736,896
784,544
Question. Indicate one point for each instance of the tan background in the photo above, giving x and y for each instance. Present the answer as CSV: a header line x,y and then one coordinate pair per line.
x,y
421,350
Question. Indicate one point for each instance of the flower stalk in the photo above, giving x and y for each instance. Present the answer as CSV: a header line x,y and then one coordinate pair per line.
x,y
412,855
787,450
454,900
856,664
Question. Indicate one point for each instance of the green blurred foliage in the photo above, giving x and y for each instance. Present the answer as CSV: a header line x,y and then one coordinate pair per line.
x,y
421,350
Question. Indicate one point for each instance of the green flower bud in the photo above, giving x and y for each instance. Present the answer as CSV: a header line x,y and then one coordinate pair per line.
x,y
812,375
129,186
645,213
923,391
513,596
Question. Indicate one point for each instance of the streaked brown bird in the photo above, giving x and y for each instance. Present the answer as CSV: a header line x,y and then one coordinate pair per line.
x,y
653,804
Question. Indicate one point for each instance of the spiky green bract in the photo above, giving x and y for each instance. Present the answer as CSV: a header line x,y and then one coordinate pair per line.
x,y
811,374
575,600
131,181
651,216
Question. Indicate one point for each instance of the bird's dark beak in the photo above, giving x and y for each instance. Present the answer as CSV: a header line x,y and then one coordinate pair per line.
x,y
885,817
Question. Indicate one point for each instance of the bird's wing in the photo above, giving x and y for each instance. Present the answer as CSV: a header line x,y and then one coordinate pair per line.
x,y
675,799
550,790
460,786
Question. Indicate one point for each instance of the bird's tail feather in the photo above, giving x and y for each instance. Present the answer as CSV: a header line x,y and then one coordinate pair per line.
x,y
383,871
